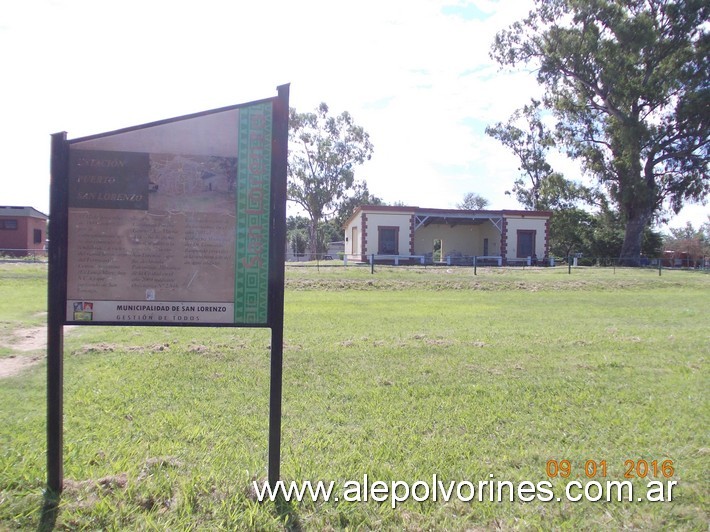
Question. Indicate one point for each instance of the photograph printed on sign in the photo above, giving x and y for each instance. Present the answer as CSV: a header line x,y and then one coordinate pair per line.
x,y
163,232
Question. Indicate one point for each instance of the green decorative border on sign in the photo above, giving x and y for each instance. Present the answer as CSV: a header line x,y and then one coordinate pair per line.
x,y
251,287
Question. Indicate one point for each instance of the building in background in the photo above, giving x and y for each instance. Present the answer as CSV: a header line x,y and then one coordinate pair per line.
x,y
23,231
447,236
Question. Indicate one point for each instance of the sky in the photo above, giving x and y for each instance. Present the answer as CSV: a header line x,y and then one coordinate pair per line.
x,y
415,74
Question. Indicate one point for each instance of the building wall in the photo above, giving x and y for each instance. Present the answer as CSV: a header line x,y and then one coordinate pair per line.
x,y
23,237
352,248
464,240
489,231
527,223
13,238
40,226
387,219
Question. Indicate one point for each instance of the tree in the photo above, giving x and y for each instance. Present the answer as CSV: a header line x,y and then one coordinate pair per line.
x,y
328,232
473,202
323,153
531,146
694,242
361,196
571,232
628,80
297,234
544,189
607,237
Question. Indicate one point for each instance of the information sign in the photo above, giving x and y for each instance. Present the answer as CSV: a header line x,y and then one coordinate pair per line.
x,y
170,223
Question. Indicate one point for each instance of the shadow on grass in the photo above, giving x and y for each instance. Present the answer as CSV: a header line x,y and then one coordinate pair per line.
x,y
49,511
286,511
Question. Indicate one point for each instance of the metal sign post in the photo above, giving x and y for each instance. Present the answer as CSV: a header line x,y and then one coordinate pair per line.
x,y
56,294
278,265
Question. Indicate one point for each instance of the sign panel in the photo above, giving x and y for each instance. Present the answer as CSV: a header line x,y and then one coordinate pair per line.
x,y
169,223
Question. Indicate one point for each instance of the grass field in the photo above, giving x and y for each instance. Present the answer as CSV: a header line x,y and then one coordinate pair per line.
x,y
399,376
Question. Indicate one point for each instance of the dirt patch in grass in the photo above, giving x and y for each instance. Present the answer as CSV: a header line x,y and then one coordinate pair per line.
x,y
85,494
109,483
153,465
27,339
95,348
22,342
13,364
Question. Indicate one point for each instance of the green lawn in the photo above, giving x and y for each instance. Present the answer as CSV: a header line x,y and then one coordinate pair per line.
x,y
399,376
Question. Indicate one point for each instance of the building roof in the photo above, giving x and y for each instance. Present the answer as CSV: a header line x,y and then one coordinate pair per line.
x,y
440,215
27,212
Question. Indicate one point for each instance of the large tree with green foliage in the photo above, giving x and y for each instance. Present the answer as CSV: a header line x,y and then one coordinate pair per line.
x,y
527,137
539,187
628,81
323,153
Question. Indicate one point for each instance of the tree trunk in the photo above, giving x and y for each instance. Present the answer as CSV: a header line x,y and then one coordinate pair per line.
x,y
313,240
633,238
